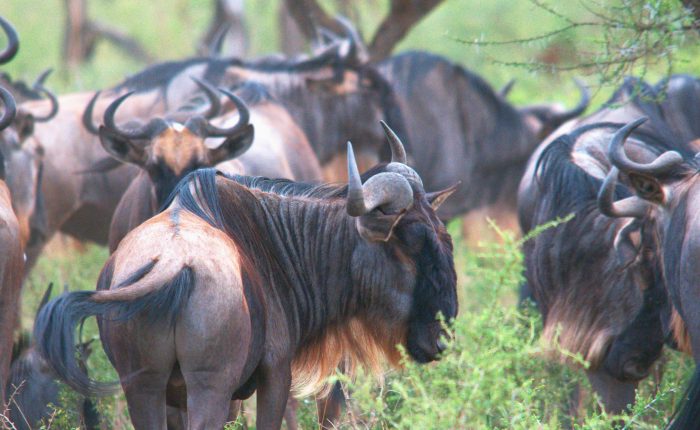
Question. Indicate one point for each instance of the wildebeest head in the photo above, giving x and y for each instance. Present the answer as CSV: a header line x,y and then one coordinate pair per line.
x,y
23,157
393,211
667,191
544,119
640,240
169,148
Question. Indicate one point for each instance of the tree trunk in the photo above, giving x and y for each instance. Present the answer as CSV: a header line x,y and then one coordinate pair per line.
x,y
227,34
403,16
81,36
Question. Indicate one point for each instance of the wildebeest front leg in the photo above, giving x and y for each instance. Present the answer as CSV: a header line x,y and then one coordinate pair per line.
x,y
614,394
273,392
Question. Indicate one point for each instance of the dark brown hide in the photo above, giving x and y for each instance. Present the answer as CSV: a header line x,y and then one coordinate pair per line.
x,y
260,278
601,295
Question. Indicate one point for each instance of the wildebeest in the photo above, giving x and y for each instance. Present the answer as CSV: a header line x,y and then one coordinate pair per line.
x,y
461,129
165,150
318,272
603,294
343,98
11,257
24,160
666,191
32,387
168,149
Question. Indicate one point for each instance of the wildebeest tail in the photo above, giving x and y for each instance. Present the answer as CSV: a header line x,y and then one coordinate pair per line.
x,y
55,326
688,416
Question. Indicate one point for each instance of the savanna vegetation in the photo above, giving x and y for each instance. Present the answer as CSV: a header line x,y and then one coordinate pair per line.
x,y
496,374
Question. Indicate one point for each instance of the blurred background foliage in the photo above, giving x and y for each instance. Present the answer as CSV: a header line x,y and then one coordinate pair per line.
x,y
495,375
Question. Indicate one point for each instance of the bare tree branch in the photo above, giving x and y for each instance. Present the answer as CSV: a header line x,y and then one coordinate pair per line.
x,y
227,28
82,34
403,16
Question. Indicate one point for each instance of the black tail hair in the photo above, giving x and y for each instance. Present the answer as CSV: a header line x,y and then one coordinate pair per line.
x,y
688,416
55,326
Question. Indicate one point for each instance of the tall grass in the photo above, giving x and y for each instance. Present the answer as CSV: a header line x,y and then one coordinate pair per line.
x,y
495,374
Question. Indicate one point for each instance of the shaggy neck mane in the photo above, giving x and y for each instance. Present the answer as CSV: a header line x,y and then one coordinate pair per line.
x,y
296,243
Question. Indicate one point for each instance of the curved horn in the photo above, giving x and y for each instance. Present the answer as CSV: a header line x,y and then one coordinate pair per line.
x,y
355,204
503,92
12,41
144,132
562,117
357,48
40,88
634,207
45,298
387,190
243,118
398,152
662,164
87,115
212,95
10,108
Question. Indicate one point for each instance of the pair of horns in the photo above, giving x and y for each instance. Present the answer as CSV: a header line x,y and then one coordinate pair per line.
x,y
391,192
152,127
635,207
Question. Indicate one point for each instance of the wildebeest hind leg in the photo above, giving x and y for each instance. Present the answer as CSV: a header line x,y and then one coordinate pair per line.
x,y
208,399
273,392
145,396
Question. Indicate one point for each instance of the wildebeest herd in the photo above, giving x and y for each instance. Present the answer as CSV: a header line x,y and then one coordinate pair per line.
x,y
223,281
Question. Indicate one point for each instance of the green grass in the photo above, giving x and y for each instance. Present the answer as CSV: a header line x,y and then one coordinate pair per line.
x,y
494,375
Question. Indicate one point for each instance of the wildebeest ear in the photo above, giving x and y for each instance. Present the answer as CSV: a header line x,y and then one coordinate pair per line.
x,y
646,187
376,226
437,198
233,146
122,148
24,124
628,242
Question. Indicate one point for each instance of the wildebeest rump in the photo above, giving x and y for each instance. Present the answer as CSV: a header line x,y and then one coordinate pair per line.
x,y
11,257
387,253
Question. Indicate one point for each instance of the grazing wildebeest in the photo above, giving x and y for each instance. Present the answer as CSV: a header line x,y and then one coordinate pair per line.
x,y
666,192
11,257
602,295
461,129
247,283
32,386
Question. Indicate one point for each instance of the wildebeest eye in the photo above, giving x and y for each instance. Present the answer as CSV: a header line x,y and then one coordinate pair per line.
x,y
646,187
